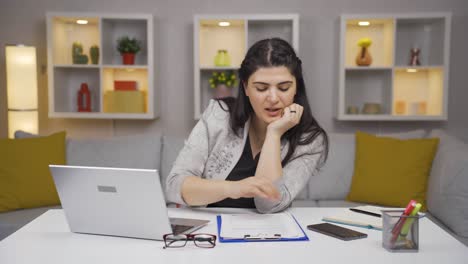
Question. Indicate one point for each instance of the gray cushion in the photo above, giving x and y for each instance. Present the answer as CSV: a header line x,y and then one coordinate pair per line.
x,y
141,152
304,203
14,220
303,195
337,203
171,146
447,196
135,151
24,134
334,180
436,221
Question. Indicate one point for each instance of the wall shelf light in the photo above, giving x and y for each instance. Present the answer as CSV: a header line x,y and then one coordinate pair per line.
x,y
364,23
224,24
21,73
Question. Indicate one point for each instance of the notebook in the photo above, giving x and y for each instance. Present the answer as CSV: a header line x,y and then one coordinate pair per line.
x,y
348,217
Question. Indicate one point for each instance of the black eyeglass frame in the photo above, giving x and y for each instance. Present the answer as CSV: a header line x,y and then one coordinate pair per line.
x,y
189,237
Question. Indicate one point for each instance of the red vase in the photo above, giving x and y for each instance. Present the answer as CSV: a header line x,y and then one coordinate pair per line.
x,y
128,58
84,98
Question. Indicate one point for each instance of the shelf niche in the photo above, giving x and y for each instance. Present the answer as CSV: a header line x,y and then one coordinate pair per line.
x,y
380,31
67,84
420,92
425,34
368,86
214,37
66,31
263,29
113,29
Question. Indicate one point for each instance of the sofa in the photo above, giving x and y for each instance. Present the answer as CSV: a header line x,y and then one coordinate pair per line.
x,y
447,184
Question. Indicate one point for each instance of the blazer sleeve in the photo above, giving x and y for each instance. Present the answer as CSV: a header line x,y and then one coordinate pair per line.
x,y
191,159
296,174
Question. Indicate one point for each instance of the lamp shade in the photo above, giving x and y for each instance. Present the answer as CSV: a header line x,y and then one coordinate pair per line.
x,y
22,120
22,100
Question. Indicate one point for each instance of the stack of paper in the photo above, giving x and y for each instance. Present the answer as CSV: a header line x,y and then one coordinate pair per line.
x,y
260,226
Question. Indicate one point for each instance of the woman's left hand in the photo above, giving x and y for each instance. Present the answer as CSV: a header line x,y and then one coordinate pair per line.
x,y
291,117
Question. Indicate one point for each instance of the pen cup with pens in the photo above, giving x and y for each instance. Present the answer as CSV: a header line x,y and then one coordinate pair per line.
x,y
400,232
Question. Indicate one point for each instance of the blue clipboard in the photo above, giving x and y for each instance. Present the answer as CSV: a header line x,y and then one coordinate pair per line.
x,y
241,240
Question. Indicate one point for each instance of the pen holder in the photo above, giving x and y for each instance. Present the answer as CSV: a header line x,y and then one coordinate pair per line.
x,y
400,233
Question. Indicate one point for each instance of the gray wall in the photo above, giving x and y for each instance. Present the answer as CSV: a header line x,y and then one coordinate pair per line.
x,y
23,21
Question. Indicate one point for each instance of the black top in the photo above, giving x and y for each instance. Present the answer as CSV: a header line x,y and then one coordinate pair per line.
x,y
245,167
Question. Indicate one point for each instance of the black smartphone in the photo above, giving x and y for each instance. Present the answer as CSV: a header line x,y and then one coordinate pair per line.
x,y
336,231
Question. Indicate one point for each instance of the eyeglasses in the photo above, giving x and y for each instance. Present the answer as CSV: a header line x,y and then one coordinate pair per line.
x,y
200,240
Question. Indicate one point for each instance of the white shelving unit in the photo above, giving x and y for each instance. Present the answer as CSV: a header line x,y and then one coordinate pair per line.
x,y
404,92
103,30
244,30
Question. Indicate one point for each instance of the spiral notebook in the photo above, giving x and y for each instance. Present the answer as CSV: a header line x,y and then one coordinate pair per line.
x,y
348,217
259,228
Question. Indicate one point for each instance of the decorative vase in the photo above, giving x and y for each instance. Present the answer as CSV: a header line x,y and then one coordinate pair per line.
x,y
222,91
77,50
400,107
219,58
84,98
352,110
364,58
414,57
77,54
94,54
128,58
227,58
371,109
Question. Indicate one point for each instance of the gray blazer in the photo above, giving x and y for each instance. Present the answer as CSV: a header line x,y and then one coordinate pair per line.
x,y
212,150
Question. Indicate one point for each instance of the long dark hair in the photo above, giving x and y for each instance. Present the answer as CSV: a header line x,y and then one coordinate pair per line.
x,y
276,52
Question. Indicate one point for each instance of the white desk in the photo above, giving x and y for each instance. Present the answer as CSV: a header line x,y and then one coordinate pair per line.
x,y
48,240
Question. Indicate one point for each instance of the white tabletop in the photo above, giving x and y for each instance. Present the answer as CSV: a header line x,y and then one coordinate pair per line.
x,y
48,239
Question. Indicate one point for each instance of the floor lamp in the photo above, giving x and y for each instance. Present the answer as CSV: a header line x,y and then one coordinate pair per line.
x,y
21,78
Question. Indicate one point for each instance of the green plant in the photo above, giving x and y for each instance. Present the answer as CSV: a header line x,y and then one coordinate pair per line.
x,y
128,45
224,77
94,54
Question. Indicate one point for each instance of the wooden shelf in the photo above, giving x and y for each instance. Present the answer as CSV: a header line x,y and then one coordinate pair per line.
x,y
219,68
380,31
82,66
102,30
244,30
360,117
403,92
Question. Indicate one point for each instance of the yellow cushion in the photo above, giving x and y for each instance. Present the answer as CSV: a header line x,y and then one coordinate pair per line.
x,y
25,179
390,171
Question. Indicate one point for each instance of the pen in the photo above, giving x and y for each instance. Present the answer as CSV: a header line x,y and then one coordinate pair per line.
x,y
364,212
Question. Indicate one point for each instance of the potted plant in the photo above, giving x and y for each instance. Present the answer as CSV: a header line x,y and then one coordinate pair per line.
x,y
128,47
223,82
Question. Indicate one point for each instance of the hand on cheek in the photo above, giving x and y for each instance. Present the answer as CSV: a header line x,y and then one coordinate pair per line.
x,y
291,116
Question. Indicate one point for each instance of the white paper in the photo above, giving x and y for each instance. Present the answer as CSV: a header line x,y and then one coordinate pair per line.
x,y
259,225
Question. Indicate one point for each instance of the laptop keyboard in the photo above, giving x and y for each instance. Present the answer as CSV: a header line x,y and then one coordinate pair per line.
x,y
179,229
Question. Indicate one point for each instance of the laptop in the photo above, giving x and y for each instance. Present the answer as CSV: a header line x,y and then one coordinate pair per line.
x,y
117,202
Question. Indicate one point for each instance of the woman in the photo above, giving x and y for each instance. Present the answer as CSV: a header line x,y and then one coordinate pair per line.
x,y
259,150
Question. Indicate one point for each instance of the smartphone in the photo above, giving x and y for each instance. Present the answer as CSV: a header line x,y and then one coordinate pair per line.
x,y
336,231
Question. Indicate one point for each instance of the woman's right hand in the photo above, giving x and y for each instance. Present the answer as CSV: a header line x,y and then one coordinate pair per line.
x,y
252,187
